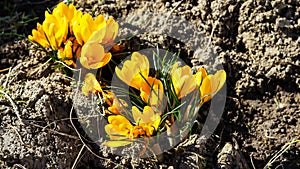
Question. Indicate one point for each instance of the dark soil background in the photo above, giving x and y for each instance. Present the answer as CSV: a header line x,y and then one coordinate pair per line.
x,y
257,41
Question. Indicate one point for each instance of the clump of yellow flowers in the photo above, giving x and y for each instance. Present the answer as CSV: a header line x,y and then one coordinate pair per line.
x,y
75,35
156,96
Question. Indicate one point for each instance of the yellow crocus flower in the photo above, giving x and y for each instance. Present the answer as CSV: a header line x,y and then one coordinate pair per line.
x,y
183,80
93,56
120,129
115,105
86,25
91,85
212,84
55,28
134,70
148,120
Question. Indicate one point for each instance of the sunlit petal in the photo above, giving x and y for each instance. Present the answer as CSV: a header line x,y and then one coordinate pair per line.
x,y
200,75
134,71
91,85
116,143
112,28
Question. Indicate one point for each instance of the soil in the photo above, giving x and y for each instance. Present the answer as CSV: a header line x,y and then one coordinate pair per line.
x,y
256,41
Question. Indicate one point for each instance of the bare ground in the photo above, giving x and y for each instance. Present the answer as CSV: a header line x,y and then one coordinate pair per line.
x,y
259,46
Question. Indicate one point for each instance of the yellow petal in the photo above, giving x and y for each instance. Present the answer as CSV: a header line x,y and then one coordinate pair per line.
x,y
220,77
114,132
200,75
148,113
144,117
68,50
66,54
85,24
99,22
137,115
106,59
74,23
111,31
97,35
91,85
156,121
77,31
116,143
117,120
69,62
48,28
39,38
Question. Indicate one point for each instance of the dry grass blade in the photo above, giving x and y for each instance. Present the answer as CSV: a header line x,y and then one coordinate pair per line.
x,y
79,156
4,70
279,153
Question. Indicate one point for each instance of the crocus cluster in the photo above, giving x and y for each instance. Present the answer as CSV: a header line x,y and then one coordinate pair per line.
x,y
126,123
74,35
